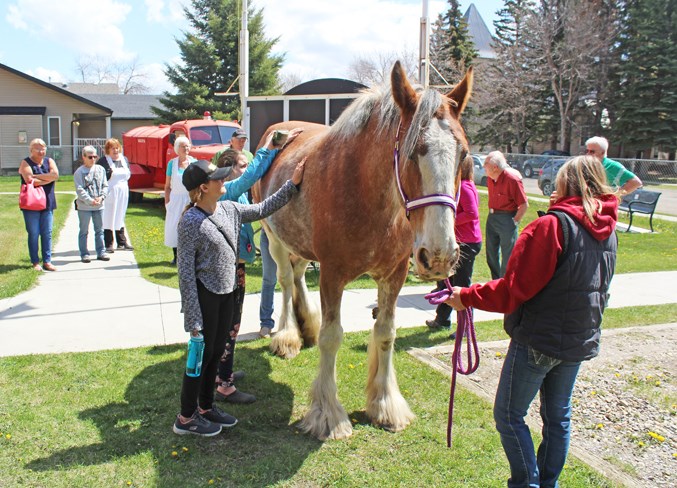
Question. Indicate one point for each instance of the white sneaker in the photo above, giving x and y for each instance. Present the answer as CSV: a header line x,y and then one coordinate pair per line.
x,y
264,333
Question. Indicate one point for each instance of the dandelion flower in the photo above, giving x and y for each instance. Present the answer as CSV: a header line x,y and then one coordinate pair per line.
x,y
640,444
656,436
593,392
8,436
211,482
499,354
657,383
184,449
174,453
618,375
599,426
129,483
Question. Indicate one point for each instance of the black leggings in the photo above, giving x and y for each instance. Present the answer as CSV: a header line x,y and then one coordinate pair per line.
x,y
462,277
226,363
217,313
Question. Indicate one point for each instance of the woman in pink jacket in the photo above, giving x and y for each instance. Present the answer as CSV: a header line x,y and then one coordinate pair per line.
x,y
469,237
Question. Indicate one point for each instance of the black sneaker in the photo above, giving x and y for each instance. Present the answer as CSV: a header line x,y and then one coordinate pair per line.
x,y
197,425
103,257
218,417
236,397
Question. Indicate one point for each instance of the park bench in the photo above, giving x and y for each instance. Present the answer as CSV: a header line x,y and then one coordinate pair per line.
x,y
640,201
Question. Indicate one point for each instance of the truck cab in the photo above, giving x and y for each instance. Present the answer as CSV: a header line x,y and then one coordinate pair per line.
x,y
150,148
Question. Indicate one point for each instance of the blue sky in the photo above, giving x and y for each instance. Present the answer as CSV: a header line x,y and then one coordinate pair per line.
x,y
45,38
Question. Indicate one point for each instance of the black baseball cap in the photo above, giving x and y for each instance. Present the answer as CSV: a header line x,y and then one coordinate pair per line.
x,y
239,134
203,171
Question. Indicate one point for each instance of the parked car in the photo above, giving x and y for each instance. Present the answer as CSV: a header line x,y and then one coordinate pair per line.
x,y
479,176
547,175
530,167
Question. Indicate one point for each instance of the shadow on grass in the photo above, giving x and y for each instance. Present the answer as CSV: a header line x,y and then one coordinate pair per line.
x,y
426,337
262,449
7,268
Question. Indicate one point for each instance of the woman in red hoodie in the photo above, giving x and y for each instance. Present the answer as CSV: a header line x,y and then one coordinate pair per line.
x,y
554,292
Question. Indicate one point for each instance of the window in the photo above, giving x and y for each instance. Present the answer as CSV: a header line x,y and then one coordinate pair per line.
x,y
202,136
53,131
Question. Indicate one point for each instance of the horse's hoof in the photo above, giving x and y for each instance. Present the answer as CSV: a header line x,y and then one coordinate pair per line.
x,y
318,425
285,345
393,415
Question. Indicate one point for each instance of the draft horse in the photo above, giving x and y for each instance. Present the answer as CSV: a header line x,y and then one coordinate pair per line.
x,y
354,216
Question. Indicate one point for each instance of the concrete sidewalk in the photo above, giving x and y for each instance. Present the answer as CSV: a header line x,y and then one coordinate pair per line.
x,y
108,305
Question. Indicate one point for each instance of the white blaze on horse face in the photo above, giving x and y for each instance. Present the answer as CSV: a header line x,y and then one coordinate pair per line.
x,y
435,249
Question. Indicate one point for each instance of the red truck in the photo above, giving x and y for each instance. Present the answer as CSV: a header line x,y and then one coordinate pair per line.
x,y
150,148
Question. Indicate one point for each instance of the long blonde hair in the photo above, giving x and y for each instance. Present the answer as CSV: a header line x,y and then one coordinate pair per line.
x,y
584,176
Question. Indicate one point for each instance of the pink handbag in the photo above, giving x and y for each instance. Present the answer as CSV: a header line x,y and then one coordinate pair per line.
x,y
32,197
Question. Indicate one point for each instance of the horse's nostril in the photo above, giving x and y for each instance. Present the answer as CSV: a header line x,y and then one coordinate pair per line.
x,y
423,258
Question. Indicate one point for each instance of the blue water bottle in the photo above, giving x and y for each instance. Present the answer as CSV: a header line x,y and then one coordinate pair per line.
x,y
196,347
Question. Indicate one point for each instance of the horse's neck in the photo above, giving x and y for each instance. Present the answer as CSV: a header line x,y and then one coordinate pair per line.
x,y
377,167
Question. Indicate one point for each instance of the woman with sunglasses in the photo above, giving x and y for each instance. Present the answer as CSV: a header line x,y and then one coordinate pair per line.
x,y
91,187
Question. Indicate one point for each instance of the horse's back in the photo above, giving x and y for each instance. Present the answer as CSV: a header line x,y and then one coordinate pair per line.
x,y
293,223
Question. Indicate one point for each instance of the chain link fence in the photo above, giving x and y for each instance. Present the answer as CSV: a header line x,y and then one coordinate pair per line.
x,y
650,171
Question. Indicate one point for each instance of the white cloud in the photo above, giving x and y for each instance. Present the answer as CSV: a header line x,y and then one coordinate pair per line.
x,y
154,10
91,28
156,80
322,37
46,74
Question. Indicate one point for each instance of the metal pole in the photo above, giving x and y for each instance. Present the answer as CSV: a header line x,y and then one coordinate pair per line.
x,y
244,68
424,48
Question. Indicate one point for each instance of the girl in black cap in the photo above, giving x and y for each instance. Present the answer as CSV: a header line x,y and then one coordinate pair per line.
x,y
207,257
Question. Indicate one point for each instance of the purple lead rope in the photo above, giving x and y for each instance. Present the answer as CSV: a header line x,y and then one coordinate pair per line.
x,y
465,327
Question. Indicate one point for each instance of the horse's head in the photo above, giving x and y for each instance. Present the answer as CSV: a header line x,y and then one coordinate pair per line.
x,y
431,148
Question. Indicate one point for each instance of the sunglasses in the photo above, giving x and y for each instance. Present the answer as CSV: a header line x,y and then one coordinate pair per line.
x,y
92,157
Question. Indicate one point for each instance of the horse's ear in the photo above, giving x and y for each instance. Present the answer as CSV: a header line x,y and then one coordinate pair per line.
x,y
461,93
403,93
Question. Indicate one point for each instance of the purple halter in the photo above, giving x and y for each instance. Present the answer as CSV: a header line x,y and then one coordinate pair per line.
x,y
424,201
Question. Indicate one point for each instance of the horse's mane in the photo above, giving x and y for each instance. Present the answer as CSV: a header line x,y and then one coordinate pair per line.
x,y
378,101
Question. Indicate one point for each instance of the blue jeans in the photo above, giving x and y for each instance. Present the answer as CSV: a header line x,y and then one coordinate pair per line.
x,y
96,217
501,237
39,225
526,372
268,285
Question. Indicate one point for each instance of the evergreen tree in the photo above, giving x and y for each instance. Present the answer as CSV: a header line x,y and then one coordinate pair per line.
x,y
646,102
451,48
209,54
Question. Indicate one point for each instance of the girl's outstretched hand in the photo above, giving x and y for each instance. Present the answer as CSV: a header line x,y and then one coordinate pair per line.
x,y
293,134
297,177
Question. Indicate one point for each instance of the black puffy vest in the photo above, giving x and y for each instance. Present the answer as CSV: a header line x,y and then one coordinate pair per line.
x,y
563,320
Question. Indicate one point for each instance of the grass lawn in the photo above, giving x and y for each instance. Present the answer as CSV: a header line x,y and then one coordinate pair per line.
x,y
15,272
145,222
104,419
